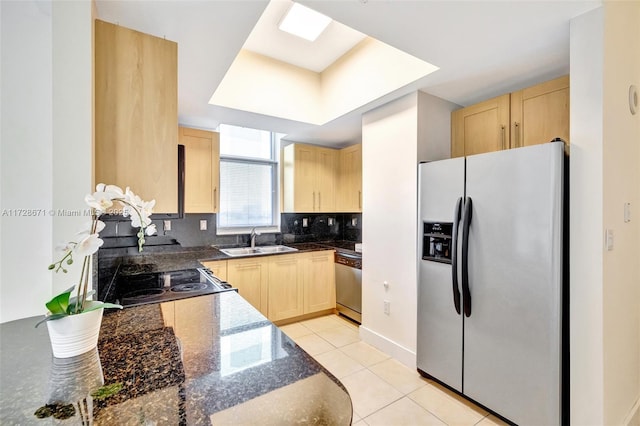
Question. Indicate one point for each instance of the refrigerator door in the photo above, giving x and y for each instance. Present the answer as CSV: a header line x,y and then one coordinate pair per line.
x,y
512,338
439,344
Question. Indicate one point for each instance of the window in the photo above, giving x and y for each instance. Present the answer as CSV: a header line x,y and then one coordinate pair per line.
x,y
248,180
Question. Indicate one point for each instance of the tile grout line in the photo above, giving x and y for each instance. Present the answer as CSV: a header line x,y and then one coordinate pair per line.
x,y
368,367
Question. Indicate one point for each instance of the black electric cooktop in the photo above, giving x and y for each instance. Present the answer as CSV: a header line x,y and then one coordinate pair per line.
x,y
156,287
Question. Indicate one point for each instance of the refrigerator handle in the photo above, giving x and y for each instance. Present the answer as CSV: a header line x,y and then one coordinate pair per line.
x,y
466,223
454,255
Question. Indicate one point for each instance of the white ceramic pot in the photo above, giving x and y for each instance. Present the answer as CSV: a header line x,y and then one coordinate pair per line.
x,y
75,334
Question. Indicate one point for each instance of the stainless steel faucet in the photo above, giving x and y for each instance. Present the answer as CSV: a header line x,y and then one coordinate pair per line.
x,y
254,233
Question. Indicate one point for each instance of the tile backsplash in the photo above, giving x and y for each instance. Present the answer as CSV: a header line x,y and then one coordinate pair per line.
x,y
295,227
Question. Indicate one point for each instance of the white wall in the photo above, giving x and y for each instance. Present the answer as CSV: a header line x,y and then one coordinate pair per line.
x,y
395,137
72,123
25,282
621,184
605,164
267,86
367,72
45,147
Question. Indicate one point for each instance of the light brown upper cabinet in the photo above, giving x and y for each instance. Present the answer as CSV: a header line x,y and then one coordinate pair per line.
x,y
202,170
479,128
136,113
349,196
530,116
309,175
540,113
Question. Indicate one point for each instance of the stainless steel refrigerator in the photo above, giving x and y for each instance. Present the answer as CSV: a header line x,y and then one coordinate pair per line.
x,y
490,288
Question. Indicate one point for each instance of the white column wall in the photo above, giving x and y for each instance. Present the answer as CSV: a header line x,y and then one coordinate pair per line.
x,y
395,137
72,124
45,154
26,155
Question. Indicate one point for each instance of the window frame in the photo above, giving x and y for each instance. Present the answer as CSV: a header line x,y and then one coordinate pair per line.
x,y
274,162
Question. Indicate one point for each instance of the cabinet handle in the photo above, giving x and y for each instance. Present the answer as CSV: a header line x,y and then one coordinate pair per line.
x,y
360,199
248,266
516,126
314,201
215,198
503,136
319,201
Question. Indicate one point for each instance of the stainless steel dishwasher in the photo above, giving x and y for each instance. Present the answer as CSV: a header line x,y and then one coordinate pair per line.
x,y
349,284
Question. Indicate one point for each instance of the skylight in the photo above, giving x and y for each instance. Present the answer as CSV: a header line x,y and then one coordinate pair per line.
x,y
304,22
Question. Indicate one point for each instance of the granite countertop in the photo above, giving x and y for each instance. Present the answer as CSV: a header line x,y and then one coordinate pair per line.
x,y
210,359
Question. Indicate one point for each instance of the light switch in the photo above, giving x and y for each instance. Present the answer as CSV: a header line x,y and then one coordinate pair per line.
x,y
203,225
609,239
167,225
330,221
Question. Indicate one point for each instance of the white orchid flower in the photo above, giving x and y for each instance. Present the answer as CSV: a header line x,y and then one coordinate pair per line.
x,y
151,229
88,246
114,189
87,228
100,225
64,247
100,201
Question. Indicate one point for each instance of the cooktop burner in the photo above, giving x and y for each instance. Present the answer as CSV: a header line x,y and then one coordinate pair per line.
x,y
189,287
155,287
141,295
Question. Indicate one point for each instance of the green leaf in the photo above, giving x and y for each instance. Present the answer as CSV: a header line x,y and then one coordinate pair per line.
x,y
51,318
60,303
98,305
73,300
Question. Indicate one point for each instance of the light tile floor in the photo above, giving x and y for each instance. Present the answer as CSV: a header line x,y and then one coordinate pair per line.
x,y
383,391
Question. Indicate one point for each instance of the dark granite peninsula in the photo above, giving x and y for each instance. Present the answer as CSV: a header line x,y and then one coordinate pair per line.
x,y
206,360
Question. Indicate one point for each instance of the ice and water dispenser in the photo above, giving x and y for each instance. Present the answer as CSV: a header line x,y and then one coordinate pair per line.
x,y
436,243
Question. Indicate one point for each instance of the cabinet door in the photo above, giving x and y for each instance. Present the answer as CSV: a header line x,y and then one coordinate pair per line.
x,y
349,191
320,282
483,127
136,113
251,278
305,179
326,162
285,287
218,267
202,176
540,113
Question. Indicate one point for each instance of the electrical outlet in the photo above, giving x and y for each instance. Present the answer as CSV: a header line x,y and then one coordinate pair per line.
x,y
330,221
167,225
387,307
203,225
354,221
305,222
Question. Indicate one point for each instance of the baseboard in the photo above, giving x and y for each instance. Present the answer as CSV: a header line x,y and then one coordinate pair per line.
x,y
399,352
633,418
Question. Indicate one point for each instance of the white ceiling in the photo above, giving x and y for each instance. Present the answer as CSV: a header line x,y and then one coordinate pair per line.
x,y
483,48
266,39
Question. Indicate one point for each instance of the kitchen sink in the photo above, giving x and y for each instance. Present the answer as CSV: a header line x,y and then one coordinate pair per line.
x,y
248,251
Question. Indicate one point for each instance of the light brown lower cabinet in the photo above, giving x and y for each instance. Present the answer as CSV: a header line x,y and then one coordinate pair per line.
x,y
251,277
319,281
286,277
283,286
218,267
